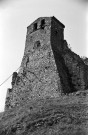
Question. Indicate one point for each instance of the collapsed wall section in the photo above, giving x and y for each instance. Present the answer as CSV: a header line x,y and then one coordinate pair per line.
x,y
72,70
76,68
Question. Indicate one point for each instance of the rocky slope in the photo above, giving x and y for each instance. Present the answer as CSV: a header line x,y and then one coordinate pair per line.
x,y
65,116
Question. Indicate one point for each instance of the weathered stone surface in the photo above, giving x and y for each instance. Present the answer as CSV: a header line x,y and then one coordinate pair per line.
x,y
49,94
38,75
49,68
14,77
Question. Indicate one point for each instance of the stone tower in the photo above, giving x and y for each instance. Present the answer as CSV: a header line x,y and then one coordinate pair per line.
x,y
43,71
38,75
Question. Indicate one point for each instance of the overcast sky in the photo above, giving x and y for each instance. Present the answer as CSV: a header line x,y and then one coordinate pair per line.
x,y
16,15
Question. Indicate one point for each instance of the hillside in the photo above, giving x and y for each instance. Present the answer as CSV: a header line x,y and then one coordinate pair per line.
x,y
49,94
65,116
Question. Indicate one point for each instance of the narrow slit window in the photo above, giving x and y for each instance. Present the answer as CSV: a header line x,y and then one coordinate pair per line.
x,y
35,26
42,24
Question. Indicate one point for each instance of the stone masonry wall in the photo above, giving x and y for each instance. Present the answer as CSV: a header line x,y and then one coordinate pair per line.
x,y
57,38
49,68
76,68
38,75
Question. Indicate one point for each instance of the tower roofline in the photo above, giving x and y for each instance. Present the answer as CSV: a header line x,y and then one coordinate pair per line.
x,y
52,18
58,21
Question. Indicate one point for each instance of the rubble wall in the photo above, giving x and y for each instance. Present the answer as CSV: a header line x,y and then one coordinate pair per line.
x,y
49,68
38,75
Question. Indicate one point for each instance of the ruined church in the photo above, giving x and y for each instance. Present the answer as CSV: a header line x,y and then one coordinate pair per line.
x,y
49,68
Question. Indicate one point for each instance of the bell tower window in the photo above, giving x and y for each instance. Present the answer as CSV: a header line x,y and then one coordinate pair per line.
x,y
42,24
35,27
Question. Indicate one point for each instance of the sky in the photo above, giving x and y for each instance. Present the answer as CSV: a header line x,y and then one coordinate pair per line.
x,y
16,15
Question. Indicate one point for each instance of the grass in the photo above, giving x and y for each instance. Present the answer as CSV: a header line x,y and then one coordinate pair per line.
x,y
65,116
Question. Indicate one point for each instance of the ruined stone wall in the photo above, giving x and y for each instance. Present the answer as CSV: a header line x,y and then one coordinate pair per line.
x,y
49,68
72,70
57,39
76,68
38,75
86,76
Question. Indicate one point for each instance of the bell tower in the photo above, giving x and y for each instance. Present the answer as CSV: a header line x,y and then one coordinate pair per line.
x,y
40,73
